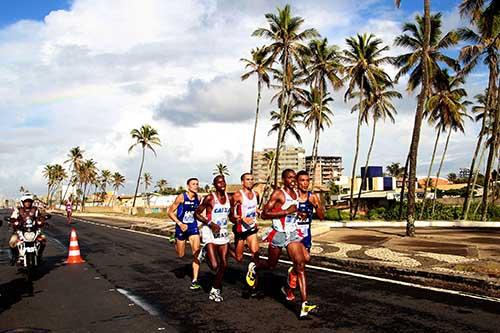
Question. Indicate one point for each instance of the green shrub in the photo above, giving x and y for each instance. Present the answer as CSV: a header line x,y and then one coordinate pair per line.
x,y
334,214
376,214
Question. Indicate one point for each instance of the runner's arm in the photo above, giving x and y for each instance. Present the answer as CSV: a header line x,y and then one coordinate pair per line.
x,y
205,205
234,200
269,211
320,210
173,209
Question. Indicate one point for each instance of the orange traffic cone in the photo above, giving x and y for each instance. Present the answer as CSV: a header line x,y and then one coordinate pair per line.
x,y
74,250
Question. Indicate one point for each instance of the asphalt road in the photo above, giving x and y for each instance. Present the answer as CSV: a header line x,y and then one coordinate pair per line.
x,y
135,283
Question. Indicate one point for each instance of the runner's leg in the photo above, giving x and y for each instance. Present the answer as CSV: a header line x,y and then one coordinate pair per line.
x,y
194,241
274,254
219,275
212,256
253,245
237,251
180,247
296,254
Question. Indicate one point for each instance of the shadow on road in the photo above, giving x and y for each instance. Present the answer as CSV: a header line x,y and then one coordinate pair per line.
x,y
14,290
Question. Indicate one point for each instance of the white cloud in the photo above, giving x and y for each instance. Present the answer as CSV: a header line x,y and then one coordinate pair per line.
x,y
88,75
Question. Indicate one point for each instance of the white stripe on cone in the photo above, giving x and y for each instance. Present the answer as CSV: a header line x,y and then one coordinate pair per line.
x,y
73,243
74,253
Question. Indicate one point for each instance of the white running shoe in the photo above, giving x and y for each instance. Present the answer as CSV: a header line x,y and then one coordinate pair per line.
x,y
250,277
215,295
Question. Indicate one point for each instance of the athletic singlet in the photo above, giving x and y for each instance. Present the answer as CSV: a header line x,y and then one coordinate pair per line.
x,y
219,215
286,223
185,211
248,209
308,208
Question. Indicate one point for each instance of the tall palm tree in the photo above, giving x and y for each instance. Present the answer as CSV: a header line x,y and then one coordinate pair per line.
x,y
22,189
146,137
484,116
413,151
447,105
48,173
87,175
75,158
323,65
362,61
286,37
162,186
485,38
105,180
117,181
221,169
260,64
317,115
147,180
378,106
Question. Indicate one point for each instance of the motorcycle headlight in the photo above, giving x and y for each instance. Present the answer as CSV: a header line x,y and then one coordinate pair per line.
x,y
29,236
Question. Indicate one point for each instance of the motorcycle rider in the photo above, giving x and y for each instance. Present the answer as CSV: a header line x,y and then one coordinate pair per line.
x,y
19,216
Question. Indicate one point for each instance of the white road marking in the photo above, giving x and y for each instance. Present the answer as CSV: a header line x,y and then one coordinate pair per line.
x,y
139,301
331,270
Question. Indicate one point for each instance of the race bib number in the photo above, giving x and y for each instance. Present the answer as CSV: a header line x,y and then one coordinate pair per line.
x,y
304,229
188,217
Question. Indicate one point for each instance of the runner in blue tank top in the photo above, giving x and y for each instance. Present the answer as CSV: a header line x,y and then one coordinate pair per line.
x,y
307,203
186,228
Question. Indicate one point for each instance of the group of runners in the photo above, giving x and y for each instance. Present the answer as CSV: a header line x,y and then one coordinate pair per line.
x,y
290,208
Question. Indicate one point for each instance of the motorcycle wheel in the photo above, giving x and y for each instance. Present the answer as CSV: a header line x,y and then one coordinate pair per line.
x,y
30,266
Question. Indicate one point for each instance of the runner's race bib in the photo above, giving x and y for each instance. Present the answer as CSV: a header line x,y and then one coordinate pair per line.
x,y
188,217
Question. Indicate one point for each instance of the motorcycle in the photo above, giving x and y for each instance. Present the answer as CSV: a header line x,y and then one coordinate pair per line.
x,y
28,243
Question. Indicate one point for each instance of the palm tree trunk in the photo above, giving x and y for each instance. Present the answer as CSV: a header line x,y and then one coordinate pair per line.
x,y
283,116
139,177
83,196
476,173
313,157
48,195
363,180
419,114
259,87
69,182
356,152
405,174
491,104
429,173
317,134
434,199
469,190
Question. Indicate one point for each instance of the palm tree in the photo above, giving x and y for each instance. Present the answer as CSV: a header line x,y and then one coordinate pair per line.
x,y
87,174
289,125
147,180
162,186
413,152
146,137
323,65
286,38
22,189
105,180
260,64
220,169
48,173
395,170
75,158
379,106
485,39
362,61
316,116
447,105
481,114
117,181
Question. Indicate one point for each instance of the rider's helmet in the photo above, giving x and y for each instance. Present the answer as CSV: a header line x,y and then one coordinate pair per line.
x,y
27,197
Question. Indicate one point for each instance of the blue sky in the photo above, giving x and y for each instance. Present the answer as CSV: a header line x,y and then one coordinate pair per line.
x,y
85,73
12,11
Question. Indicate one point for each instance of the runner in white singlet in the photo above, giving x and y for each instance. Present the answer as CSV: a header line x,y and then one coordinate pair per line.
x,y
214,232
244,213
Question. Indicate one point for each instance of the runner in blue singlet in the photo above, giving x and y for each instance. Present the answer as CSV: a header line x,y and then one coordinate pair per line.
x,y
186,228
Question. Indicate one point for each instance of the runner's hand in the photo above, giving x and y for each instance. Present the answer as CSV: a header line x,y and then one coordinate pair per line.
x,y
247,220
215,227
292,209
183,227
